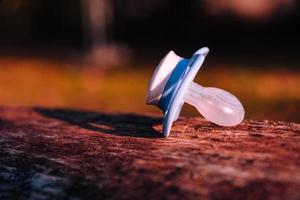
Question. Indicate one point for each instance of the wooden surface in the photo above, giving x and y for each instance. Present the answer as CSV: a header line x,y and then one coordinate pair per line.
x,y
68,154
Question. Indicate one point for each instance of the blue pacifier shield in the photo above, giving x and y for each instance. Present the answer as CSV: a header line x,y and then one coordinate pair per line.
x,y
171,99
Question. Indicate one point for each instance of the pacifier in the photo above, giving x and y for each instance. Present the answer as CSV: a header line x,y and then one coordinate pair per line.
x,y
172,84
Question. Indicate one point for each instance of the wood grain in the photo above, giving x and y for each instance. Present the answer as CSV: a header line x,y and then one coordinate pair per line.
x,y
71,154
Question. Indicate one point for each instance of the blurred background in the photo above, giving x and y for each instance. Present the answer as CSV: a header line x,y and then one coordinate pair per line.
x,y
100,54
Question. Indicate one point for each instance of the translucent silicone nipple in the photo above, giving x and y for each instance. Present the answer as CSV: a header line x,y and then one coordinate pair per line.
x,y
216,105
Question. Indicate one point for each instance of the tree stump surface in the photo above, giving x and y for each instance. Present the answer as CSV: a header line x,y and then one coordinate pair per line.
x,y
71,154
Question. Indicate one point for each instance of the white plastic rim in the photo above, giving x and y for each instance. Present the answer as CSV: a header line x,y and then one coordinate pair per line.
x,y
161,76
175,107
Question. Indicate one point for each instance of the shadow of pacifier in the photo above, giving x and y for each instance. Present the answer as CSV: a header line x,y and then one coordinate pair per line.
x,y
172,84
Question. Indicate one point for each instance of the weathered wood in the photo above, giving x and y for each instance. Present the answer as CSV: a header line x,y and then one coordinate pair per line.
x,y
68,154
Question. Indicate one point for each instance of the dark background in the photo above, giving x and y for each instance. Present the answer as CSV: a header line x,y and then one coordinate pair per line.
x,y
100,54
152,28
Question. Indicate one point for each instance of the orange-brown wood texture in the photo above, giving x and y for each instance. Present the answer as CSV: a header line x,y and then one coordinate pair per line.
x,y
71,154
